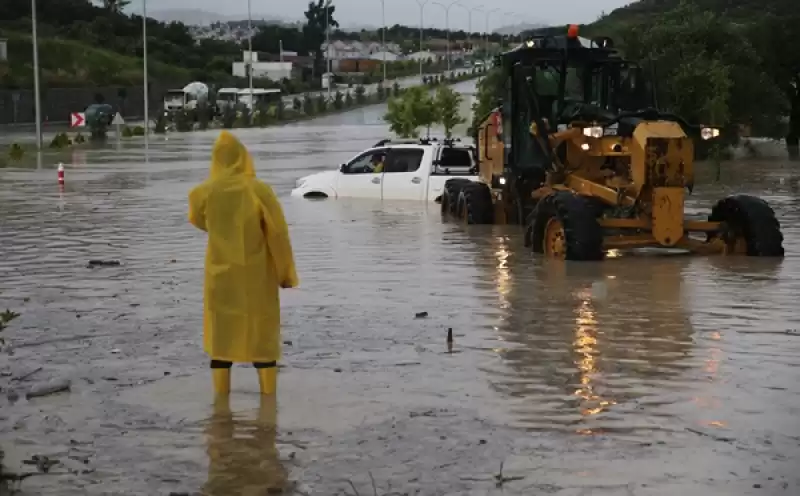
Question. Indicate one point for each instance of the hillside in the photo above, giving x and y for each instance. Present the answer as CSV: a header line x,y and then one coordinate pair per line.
x,y
70,63
740,10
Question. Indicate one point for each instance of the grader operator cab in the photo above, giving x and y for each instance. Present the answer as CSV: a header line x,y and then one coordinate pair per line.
x,y
579,154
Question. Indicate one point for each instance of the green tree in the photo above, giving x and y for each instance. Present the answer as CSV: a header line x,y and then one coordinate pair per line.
x,y
319,17
490,90
115,6
410,111
776,38
448,106
361,94
706,68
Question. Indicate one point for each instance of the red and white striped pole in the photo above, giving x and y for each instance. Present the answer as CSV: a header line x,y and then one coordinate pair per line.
x,y
61,174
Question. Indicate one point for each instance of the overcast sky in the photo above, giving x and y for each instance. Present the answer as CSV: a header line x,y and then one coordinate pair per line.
x,y
407,11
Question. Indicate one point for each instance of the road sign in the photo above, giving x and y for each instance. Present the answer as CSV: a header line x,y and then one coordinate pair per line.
x,y
77,119
118,120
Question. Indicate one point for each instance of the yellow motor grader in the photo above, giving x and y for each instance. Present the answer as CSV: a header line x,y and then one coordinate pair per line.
x,y
580,155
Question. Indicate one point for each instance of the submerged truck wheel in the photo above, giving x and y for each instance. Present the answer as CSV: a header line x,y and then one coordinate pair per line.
x,y
452,190
749,227
475,204
564,226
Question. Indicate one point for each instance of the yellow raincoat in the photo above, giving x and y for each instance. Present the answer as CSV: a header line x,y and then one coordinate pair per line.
x,y
248,258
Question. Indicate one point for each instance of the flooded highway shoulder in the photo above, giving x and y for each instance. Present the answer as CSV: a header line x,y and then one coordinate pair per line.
x,y
646,375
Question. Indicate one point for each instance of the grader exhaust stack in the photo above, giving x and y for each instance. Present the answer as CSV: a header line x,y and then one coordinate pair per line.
x,y
580,156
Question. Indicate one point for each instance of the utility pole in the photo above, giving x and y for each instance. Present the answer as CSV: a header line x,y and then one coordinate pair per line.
x,y
36,87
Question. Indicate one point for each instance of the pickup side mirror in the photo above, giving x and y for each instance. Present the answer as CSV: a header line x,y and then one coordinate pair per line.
x,y
342,168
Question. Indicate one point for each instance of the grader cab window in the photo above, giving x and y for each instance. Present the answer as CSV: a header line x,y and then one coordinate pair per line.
x,y
592,89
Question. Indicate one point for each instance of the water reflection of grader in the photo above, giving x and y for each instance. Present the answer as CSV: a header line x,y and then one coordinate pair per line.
x,y
580,155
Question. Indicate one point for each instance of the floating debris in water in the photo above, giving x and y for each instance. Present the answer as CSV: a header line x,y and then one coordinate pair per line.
x,y
48,389
104,263
421,315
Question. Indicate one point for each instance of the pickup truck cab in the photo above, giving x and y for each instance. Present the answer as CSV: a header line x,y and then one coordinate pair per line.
x,y
412,170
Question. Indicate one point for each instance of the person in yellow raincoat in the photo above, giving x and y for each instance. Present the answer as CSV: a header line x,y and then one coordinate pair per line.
x,y
248,258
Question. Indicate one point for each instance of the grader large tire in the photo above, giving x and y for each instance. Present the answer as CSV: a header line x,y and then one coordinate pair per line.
x,y
564,225
475,204
452,190
749,227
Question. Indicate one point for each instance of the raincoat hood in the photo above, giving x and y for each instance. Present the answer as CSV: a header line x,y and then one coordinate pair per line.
x,y
230,158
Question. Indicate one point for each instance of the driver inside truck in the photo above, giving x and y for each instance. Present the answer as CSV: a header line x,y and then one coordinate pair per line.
x,y
377,162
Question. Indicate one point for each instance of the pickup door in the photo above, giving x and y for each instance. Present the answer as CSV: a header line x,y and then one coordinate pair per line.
x,y
405,175
357,179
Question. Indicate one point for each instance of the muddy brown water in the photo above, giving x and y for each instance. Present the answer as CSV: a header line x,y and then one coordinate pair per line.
x,y
644,375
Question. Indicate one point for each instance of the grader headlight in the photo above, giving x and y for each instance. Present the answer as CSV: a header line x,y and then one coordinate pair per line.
x,y
708,133
593,132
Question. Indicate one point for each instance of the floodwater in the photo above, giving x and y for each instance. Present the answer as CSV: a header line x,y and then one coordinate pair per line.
x,y
646,376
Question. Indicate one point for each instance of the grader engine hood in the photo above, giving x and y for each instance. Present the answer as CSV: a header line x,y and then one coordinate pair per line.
x,y
662,155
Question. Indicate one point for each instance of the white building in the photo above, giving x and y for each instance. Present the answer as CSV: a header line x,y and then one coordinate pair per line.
x,y
341,50
390,57
275,71
424,56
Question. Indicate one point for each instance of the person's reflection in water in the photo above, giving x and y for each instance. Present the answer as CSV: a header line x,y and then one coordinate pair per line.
x,y
243,458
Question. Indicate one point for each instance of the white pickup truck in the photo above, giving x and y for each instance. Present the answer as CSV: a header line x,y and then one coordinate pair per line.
x,y
412,170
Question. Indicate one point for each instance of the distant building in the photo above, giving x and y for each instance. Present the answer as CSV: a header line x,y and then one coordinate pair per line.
x,y
389,56
424,55
276,71
343,50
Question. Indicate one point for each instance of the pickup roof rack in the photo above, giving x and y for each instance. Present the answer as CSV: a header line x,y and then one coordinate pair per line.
x,y
420,141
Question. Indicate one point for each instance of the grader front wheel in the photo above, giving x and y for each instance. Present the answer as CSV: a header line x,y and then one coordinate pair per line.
x,y
554,239
749,227
564,225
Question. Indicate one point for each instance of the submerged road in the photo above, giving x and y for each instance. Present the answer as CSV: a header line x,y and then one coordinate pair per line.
x,y
651,376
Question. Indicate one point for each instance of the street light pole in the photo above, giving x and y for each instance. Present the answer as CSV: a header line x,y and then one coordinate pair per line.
x,y
421,4
488,14
469,13
383,37
513,17
250,56
36,89
328,46
447,25
146,78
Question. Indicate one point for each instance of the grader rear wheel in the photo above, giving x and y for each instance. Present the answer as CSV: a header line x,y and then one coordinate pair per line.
x,y
475,204
452,190
749,227
564,225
